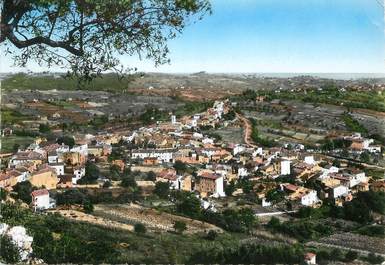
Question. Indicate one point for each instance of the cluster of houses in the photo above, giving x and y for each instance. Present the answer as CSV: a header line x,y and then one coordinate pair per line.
x,y
46,166
361,144
215,164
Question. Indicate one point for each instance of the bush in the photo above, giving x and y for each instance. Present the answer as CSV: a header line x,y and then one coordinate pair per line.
x,y
211,235
9,252
140,228
302,230
274,223
162,189
372,230
151,176
67,140
180,226
351,255
107,184
44,128
374,259
180,167
88,207
3,194
91,175
249,254
69,197
230,188
128,182
23,191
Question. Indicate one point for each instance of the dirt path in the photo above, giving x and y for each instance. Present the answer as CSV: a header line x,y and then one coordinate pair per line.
x,y
247,130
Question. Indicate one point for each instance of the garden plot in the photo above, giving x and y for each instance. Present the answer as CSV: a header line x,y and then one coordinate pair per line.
x,y
131,214
356,241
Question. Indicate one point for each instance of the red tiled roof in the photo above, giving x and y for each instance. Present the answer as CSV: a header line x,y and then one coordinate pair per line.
x,y
42,192
209,175
309,256
290,187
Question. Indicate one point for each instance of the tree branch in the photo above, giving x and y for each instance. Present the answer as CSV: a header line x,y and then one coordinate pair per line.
x,y
43,40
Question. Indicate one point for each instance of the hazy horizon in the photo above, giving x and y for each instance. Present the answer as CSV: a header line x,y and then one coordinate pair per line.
x,y
337,75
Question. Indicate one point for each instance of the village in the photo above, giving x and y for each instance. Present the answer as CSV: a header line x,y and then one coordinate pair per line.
x,y
130,174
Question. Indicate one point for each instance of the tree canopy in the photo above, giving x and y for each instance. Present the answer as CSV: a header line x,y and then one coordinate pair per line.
x,y
87,36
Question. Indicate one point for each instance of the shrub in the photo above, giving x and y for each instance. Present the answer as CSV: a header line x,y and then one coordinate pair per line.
x,y
374,259
180,226
162,189
140,228
211,235
9,252
88,207
23,191
351,255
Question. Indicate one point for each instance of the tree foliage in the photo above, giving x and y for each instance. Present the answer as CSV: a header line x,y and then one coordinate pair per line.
x,y
87,36
140,228
22,191
162,189
9,253
180,226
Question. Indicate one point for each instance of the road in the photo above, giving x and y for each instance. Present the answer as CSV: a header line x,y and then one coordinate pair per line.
x,y
246,130
273,213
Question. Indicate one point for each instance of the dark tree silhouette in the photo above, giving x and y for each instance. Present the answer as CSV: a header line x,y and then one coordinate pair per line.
x,y
86,36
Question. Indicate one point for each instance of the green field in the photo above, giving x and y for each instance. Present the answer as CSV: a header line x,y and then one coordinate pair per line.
x,y
8,142
11,117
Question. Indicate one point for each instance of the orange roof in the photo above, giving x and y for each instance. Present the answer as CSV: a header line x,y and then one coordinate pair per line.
x,y
209,175
309,256
290,187
42,192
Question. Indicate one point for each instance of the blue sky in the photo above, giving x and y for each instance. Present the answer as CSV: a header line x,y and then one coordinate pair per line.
x,y
311,36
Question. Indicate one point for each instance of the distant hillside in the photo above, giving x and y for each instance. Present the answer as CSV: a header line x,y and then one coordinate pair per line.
x,y
109,82
200,80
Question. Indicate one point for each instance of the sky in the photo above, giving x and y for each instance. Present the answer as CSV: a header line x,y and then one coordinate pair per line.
x,y
273,36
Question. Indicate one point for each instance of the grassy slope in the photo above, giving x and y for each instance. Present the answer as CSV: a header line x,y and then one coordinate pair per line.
x,y
57,240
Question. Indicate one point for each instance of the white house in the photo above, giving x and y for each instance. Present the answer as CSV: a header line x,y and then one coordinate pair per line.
x,y
81,149
207,140
309,160
257,152
374,149
309,198
53,158
40,199
327,171
265,203
310,258
62,149
285,167
59,168
242,172
219,192
238,149
79,172
173,119
197,135
338,191
165,155
357,179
